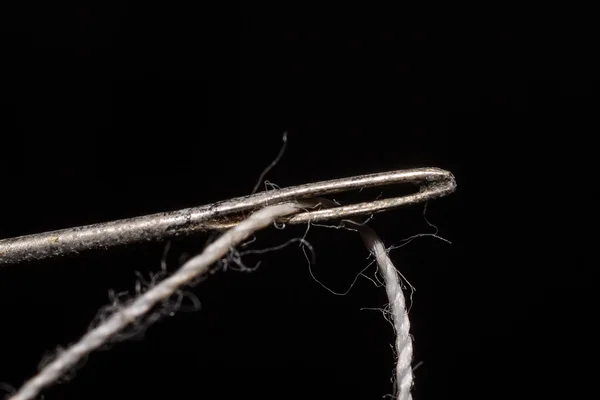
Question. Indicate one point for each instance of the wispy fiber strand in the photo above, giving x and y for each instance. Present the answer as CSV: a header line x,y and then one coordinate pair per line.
x,y
143,304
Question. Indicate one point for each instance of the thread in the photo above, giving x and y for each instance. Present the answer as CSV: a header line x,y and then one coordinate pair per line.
x,y
198,266
404,349
193,268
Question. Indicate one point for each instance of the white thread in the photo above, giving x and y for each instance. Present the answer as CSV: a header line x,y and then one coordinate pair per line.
x,y
193,268
197,266
404,373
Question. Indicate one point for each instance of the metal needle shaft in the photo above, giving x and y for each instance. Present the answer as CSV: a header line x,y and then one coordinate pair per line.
x,y
434,183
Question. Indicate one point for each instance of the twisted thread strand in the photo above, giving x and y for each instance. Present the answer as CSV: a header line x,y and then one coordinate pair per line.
x,y
143,304
404,373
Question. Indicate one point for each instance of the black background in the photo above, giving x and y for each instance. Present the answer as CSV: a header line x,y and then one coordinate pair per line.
x,y
112,111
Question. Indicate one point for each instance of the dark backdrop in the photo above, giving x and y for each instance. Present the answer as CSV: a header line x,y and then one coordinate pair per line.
x,y
116,111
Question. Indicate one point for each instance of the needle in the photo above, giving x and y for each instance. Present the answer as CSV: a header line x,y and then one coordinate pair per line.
x,y
434,183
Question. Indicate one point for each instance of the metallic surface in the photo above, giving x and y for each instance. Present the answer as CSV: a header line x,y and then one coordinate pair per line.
x,y
433,183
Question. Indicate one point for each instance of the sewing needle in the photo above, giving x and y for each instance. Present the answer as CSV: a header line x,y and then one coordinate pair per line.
x,y
433,182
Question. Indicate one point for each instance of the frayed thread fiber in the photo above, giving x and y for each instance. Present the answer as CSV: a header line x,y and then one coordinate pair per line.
x,y
193,268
